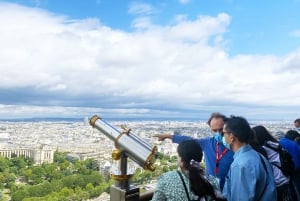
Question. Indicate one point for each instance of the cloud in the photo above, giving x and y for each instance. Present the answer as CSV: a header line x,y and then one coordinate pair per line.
x,y
66,66
138,8
295,33
184,1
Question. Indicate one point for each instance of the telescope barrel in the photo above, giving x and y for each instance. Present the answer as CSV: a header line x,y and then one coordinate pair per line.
x,y
133,146
139,140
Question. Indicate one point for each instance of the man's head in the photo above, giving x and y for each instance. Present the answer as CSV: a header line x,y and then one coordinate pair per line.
x,y
237,132
297,123
216,122
292,135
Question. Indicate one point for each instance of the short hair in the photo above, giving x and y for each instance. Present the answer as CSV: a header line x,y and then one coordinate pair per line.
x,y
239,127
216,115
292,134
297,121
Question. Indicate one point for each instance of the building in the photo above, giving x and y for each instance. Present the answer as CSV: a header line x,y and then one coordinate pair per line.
x,y
40,154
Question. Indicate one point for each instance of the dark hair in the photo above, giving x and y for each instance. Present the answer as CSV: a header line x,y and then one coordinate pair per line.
x,y
263,135
191,153
291,134
216,115
297,120
259,137
188,150
239,127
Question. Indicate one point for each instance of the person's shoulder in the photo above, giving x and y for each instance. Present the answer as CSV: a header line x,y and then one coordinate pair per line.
x,y
283,139
168,179
247,160
171,174
285,142
246,153
207,139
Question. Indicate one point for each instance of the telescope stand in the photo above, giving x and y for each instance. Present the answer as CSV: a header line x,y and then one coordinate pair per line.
x,y
127,144
122,190
131,193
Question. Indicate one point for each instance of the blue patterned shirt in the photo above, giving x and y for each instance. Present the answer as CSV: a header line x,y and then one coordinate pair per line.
x,y
170,188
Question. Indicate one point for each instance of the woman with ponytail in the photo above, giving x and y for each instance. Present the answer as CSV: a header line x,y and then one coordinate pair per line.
x,y
189,182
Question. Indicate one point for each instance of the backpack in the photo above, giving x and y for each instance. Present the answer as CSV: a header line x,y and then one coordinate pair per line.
x,y
287,165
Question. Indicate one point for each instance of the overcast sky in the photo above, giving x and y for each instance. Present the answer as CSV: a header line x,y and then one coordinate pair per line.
x,y
150,59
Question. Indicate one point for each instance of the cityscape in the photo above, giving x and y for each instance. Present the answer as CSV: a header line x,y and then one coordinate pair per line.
x,y
40,139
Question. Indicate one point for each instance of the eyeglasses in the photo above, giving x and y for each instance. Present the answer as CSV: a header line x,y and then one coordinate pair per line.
x,y
224,132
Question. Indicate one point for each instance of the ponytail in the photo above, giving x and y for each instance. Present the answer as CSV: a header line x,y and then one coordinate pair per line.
x,y
191,153
199,183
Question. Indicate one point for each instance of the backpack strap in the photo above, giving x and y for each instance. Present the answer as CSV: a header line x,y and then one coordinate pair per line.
x,y
185,188
277,150
266,170
263,162
274,149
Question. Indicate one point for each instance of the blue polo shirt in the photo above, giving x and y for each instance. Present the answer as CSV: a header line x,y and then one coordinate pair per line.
x,y
208,146
294,149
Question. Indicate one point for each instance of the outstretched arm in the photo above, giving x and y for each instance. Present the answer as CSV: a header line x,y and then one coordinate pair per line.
x,y
174,137
162,137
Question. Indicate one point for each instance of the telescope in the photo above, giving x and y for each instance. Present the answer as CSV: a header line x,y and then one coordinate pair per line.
x,y
128,145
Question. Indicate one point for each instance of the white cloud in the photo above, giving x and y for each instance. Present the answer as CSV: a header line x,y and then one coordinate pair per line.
x,y
295,33
138,8
173,66
184,1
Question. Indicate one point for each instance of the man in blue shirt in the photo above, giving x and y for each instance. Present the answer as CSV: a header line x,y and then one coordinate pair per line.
x,y
250,177
217,157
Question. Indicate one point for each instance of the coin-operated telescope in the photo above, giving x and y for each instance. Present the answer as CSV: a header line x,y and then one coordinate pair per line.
x,y
127,145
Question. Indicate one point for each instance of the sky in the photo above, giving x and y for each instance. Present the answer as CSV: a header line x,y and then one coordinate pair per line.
x,y
166,59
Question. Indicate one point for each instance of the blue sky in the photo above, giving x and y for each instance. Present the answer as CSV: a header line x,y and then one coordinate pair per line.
x,y
150,59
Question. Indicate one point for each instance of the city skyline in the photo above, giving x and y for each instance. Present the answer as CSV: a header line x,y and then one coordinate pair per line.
x,y
149,59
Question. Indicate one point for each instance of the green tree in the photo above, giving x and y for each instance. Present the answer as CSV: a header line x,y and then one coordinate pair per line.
x,y
40,190
27,173
38,174
65,192
165,169
4,164
51,171
56,185
64,166
80,168
79,181
91,164
12,186
18,162
96,191
89,187
19,195
59,157
81,194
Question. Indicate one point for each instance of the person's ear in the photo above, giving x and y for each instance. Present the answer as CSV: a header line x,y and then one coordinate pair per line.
x,y
232,138
180,162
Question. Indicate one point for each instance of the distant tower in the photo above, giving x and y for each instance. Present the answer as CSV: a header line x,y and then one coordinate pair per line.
x,y
86,121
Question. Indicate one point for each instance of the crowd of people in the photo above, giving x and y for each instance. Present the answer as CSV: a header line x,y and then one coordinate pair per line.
x,y
242,163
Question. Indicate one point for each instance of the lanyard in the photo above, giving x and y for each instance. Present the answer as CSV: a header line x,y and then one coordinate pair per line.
x,y
219,157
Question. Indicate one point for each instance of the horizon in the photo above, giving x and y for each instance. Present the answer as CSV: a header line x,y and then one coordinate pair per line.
x,y
159,119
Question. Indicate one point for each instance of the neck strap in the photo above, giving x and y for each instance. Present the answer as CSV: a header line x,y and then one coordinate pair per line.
x,y
185,188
